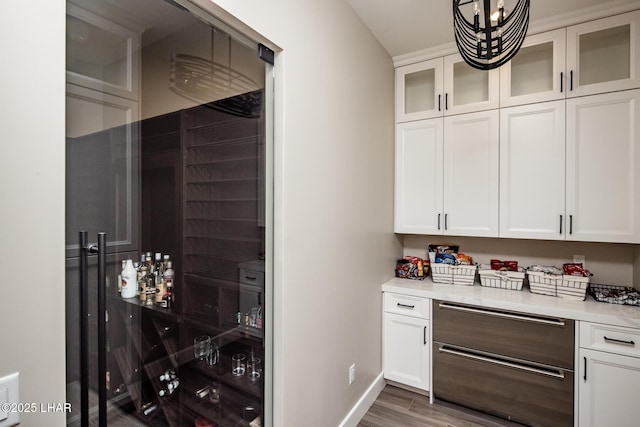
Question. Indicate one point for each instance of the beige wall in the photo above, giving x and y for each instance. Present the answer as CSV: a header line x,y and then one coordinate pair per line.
x,y
32,78
334,203
610,263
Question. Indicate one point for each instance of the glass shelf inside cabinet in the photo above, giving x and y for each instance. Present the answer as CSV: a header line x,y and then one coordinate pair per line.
x,y
605,55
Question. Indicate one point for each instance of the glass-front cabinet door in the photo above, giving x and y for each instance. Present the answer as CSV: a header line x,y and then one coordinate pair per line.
x,y
537,72
467,89
443,86
604,55
419,91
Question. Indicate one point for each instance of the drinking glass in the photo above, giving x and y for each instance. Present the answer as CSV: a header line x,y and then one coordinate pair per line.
x,y
201,347
214,394
253,369
238,364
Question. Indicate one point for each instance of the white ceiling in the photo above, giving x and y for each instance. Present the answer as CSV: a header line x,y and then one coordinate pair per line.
x,y
407,26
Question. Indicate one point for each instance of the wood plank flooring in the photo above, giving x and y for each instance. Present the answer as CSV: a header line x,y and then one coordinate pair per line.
x,y
396,407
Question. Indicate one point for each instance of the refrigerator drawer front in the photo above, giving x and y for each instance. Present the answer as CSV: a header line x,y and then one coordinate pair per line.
x,y
530,394
545,340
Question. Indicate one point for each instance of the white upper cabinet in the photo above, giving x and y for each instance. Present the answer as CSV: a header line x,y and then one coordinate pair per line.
x,y
446,179
471,173
467,89
418,177
536,73
604,55
532,171
102,55
419,91
603,178
444,86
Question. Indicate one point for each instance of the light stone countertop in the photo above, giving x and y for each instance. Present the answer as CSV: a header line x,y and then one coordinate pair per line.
x,y
520,301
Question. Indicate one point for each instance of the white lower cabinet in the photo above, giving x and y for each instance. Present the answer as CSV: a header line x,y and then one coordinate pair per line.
x,y
609,376
406,340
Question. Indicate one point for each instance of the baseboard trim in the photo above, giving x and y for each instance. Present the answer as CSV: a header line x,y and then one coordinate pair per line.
x,y
364,403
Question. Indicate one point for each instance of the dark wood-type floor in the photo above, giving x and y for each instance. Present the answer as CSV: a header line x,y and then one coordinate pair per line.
x,y
396,407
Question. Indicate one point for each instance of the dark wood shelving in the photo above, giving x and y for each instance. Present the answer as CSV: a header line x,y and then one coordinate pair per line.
x,y
202,167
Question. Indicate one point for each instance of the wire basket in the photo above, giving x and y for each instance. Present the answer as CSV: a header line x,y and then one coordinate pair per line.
x,y
558,285
501,279
453,274
615,294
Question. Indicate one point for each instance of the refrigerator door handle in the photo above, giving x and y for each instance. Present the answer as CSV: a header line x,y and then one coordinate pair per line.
x,y
84,331
102,330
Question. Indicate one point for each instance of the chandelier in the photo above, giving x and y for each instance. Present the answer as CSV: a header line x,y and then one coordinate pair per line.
x,y
488,38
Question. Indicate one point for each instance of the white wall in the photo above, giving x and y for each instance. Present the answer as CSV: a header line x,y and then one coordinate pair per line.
x,y
32,336
334,203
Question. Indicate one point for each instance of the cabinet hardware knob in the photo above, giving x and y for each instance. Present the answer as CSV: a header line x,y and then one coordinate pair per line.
x,y
445,221
424,335
446,101
561,81
438,221
439,102
585,369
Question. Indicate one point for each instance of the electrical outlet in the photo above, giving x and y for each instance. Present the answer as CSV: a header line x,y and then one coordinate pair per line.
x,y
352,373
579,259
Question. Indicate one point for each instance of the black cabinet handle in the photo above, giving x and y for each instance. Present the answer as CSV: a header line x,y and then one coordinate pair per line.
x,y
561,81
570,224
259,298
250,278
571,80
438,221
424,335
615,341
585,369
445,221
560,224
439,102
406,306
446,101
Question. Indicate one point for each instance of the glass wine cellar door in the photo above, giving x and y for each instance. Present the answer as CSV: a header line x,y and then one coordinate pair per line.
x,y
167,227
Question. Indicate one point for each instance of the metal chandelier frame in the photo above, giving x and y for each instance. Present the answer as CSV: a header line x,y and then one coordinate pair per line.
x,y
491,38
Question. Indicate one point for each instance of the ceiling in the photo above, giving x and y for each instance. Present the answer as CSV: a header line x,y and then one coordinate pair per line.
x,y
407,26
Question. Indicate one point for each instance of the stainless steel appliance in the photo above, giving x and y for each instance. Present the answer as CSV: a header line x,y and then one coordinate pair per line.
x,y
513,365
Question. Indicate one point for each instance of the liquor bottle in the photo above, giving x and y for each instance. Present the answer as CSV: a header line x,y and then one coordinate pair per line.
x,y
159,266
151,289
136,267
142,283
129,280
124,261
169,276
149,261
167,299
